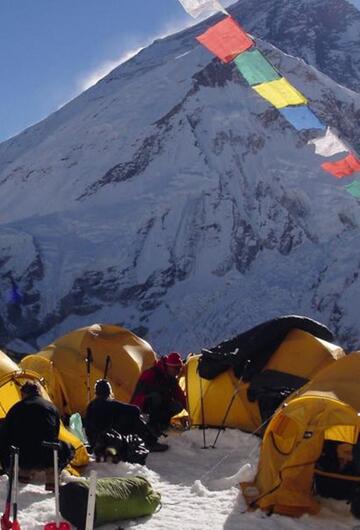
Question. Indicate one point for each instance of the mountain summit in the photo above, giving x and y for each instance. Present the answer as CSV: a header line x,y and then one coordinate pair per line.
x,y
173,200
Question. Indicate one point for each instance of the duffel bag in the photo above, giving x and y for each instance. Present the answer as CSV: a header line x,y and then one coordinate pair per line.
x,y
117,498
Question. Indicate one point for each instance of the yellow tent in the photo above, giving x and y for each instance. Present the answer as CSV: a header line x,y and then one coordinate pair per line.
x,y
64,368
11,380
327,408
300,354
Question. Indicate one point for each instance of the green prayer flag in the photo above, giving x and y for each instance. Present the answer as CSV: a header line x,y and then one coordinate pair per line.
x,y
354,188
255,67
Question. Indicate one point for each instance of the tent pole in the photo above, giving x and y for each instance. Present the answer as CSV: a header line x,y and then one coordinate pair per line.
x,y
202,412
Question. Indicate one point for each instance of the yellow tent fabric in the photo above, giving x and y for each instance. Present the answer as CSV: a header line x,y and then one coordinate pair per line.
x,y
11,380
280,93
326,408
300,354
62,364
216,397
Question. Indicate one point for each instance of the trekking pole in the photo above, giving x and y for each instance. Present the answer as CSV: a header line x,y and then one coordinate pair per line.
x,y
6,524
235,393
90,511
225,417
89,359
15,524
202,412
107,366
56,525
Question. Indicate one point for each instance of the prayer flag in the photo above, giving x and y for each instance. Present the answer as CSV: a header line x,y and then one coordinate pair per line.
x,y
280,93
354,188
226,39
344,167
195,8
255,68
301,117
329,144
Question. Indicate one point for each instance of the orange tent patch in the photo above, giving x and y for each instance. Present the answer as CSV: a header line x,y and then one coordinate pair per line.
x,y
344,167
227,39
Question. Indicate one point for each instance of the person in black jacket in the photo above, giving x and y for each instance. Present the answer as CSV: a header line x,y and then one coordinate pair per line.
x,y
105,413
28,424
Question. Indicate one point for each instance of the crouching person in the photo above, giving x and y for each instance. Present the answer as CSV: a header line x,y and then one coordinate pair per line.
x,y
112,423
27,425
158,393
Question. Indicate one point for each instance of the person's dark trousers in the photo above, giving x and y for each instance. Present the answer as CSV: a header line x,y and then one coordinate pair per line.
x,y
160,412
131,423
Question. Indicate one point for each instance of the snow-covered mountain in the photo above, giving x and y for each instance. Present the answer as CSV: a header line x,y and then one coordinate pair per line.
x,y
171,199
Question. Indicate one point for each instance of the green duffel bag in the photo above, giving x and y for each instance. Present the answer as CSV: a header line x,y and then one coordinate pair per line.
x,y
117,498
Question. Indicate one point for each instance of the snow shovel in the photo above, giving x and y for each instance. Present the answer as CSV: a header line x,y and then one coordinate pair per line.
x,y
15,524
56,525
6,524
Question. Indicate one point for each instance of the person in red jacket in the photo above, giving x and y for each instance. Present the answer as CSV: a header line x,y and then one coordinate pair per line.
x,y
158,393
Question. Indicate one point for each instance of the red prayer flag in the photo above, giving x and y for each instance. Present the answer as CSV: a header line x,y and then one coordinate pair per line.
x,y
226,39
344,167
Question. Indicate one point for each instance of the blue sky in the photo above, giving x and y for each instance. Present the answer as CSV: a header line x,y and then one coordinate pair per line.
x,y
51,50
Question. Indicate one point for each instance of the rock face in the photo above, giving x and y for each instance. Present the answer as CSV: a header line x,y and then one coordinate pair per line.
x,y
171,199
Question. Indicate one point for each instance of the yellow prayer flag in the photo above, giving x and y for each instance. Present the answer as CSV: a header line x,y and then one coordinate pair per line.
x,y
280,93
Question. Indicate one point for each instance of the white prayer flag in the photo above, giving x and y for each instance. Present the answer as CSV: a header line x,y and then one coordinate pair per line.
x,y
329,144
195,8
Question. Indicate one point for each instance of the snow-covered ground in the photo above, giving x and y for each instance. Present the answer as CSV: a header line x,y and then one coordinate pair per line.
x,y
198,487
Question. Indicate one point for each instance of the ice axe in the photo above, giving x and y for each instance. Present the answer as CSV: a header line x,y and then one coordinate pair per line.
x,y
56,525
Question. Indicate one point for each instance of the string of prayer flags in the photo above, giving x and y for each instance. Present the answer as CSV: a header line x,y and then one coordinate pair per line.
x,y
255,68
280,93
226,39
329,144
344,167
195,8
301,117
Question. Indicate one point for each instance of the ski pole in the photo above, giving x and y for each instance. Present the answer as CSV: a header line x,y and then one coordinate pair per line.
x,y
90,511
15,524
88,360
6,524
236,391
107,366
57,525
